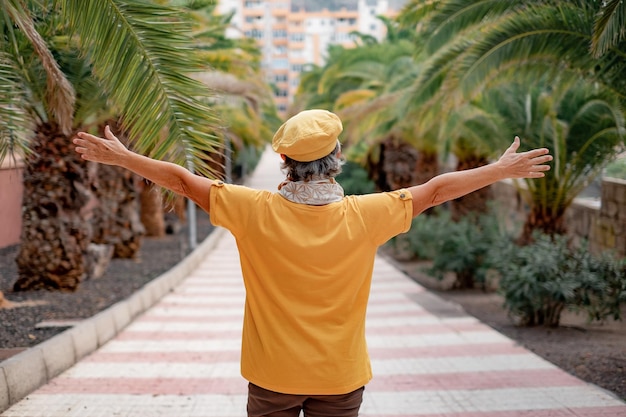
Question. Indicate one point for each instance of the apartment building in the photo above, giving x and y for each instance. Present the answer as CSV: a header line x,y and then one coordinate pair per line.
x,y
293,34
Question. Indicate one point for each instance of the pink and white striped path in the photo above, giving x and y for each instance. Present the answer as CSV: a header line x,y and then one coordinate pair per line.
x,y
181,358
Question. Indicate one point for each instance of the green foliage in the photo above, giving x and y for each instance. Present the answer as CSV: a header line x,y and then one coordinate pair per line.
x,y
142,55
606,302
246,160
459,247
581,124
354,179
425,231
363,85
77,64
462,247
525,68
540,280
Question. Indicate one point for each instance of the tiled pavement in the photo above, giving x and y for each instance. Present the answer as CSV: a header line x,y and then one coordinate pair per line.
x,y
181,357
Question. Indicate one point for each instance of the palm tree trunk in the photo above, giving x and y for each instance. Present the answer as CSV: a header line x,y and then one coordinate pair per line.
x,y
152,216
475,202
116,219
426,166
400,165
57,206
175,214
543,220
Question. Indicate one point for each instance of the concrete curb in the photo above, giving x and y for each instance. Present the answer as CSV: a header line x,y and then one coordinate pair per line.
x,y
23,373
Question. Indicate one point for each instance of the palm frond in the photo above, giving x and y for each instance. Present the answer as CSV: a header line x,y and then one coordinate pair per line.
x,y
582,125
142,55
484,131
528,40
15,123
435,69
609,27
457,16
417,12
353,97
60,96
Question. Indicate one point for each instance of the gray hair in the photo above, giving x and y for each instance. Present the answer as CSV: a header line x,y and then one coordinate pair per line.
x,y
323,168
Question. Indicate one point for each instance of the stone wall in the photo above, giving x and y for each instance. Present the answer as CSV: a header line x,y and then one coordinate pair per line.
x,y
601,222
606,226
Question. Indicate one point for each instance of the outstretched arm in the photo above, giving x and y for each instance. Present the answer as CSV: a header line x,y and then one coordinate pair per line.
x,y
451,185
109,150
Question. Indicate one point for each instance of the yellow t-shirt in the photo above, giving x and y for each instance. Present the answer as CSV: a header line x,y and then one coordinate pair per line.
x,y
307,272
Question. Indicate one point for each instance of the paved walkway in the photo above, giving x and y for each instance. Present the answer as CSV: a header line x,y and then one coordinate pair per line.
x,y
181,357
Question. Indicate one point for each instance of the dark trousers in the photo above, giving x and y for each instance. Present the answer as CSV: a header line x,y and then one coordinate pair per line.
x,y
264,403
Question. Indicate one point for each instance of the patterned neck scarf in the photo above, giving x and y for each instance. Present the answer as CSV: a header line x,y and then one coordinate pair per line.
x,y
313,192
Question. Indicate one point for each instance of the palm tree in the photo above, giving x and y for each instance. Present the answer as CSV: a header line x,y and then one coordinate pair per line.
x,y
375,136
582,125
445,30
479,45
233,72
364,85
137,55
471,133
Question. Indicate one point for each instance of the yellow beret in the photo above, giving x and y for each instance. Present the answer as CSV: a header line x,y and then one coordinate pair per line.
x,y
309,135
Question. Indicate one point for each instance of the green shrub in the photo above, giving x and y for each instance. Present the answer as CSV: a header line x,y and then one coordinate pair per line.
x,y
425,230
605,292
540,280
462,248
458,247
246,160
354,179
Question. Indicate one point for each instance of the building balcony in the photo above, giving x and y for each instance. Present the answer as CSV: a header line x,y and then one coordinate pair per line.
x,y
253,12
280,12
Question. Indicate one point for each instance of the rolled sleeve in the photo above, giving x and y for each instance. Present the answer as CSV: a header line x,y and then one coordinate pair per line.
x,y
387,214
231,206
